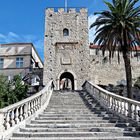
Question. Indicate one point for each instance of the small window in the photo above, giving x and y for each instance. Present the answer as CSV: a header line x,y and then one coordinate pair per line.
x,y
36,64
1,63
19,62
65,32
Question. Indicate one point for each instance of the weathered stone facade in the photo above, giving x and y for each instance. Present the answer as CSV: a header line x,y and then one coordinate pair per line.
x,y
105,72
66,49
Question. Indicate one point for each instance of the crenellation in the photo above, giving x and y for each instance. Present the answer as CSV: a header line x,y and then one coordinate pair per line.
x,y
61,10
83,10
50,10
72,10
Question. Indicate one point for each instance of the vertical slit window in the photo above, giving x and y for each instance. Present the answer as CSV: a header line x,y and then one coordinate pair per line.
x,y
65,32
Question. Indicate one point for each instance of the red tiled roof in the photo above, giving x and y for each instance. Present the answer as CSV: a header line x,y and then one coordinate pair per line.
x,y
93,46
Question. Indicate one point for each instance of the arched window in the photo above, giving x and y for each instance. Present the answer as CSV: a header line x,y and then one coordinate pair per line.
x,y
65,32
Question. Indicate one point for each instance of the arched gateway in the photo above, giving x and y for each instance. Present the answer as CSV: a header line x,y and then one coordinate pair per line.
x,y
66,81
66,50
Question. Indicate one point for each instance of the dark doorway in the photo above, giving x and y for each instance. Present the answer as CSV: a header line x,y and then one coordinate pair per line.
x,y
66,81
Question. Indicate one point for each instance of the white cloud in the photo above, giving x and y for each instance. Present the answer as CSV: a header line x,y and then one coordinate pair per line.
x,y
29,38
12,37
2,36
91,19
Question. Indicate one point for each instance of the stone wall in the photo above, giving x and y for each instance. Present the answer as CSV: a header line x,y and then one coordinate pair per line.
x,y
105,72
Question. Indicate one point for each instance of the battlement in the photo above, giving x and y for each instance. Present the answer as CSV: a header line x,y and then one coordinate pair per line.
x,y
68,10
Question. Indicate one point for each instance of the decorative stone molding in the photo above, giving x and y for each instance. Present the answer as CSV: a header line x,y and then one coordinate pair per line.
x,y
13,116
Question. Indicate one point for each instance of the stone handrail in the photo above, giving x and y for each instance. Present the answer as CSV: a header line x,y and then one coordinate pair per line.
x,y
14,114
124,107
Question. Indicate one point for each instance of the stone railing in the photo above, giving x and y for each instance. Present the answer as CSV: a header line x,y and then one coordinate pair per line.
x,y
124,107
14,115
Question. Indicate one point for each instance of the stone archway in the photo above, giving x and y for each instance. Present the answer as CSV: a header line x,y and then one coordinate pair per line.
x,y
66,81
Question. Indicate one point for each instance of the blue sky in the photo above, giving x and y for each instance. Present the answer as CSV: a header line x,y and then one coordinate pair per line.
x,y
23,20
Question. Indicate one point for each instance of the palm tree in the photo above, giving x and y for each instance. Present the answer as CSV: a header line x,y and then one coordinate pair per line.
x,y
118,29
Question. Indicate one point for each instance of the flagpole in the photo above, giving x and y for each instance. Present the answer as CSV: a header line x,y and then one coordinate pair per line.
x,y
66,5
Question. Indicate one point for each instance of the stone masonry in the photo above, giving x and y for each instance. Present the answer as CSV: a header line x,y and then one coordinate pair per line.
x,y
66,53
104,72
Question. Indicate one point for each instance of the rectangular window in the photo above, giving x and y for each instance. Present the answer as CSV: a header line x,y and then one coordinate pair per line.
x,y
19,62
1,63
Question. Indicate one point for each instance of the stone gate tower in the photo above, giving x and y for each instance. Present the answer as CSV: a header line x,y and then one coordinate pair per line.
x,y
66,47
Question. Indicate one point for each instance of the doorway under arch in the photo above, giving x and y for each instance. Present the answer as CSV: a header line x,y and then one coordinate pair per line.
x,y
67,81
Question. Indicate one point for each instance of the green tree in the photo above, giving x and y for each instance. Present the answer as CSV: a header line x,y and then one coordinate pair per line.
x,y
12,91
3,90
118,29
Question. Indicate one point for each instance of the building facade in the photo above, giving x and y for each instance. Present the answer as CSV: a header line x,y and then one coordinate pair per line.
x,y
20,58
66,50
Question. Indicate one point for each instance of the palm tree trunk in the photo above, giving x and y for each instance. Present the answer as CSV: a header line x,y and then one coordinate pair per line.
x,y
126,57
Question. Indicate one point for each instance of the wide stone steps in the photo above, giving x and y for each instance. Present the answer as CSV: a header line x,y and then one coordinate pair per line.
x,y
84,129
77,125
78,138
65,134
76,116
68,118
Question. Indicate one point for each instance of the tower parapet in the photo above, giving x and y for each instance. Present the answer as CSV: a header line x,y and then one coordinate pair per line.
x,y
69,10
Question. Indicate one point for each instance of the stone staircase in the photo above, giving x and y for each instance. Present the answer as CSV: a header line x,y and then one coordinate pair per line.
x,y
76,116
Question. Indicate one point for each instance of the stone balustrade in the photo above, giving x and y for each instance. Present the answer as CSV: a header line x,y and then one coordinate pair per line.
x,y
13,115
124,107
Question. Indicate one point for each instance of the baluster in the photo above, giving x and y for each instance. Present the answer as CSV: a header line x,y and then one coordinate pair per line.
x,y
105,100
12,121
129,110
25,111
118,105
108,101
2,122
121,106
29,109
112,103
125,109
7,120
38,103
35,104
31,105
21,113
135,112
17,115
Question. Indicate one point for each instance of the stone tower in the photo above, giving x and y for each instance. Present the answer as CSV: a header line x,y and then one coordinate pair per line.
x,y
66,47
